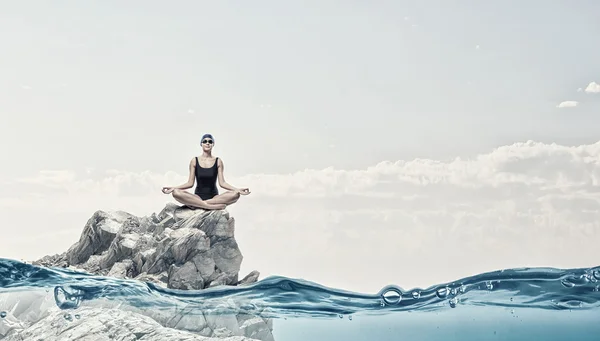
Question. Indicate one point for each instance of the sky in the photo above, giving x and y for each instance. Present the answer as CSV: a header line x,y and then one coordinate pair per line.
x,y
388,142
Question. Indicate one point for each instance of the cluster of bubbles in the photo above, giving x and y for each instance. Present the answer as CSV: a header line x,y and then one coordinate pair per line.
x,y
453,292
69,317
590,277
392,295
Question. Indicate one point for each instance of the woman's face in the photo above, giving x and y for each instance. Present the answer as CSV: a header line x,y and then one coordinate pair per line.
x,y
207,143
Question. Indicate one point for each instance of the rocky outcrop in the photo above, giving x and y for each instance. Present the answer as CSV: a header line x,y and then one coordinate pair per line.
x,y
178,248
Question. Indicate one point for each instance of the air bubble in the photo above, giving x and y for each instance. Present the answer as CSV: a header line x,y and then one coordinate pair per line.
x,y
350,317
567,283
442,292
341,316
489,285
453,291
453,302
77,316
416,295
596,274
463,289
3,314
67,298
392,295
68,317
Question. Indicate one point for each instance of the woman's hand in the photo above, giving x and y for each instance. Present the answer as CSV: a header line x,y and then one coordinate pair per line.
x,y
167,190
244,191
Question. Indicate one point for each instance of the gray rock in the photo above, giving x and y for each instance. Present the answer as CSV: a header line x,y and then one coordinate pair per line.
x,y
101,324
257,328
190,321
219,278
227,255
121,269
123,246
178,248
205,265
97,236
186,277
167,211
204,237
250,278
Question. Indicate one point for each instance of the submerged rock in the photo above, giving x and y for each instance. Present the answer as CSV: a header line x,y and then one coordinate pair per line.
x,y
178,248
98,324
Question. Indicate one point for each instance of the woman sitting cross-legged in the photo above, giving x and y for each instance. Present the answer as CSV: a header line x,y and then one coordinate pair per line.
x,y
206,170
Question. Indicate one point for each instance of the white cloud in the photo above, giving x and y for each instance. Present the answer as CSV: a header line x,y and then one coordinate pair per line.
x,y
50,177
567,104
593,88
525,204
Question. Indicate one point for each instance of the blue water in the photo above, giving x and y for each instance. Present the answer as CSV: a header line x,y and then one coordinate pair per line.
x,y
512,304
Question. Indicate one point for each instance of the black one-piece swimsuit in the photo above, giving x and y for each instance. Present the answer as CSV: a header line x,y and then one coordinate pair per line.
x,y
206,181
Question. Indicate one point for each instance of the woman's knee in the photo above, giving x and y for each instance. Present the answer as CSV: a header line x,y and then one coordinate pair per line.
x,y
234,196
177,193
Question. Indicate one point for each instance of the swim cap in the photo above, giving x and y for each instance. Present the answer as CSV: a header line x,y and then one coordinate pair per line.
x,y
205,136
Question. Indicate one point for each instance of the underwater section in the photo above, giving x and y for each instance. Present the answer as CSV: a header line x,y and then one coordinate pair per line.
x,y
505,304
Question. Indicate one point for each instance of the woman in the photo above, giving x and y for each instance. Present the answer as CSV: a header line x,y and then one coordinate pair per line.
x,y
206,170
